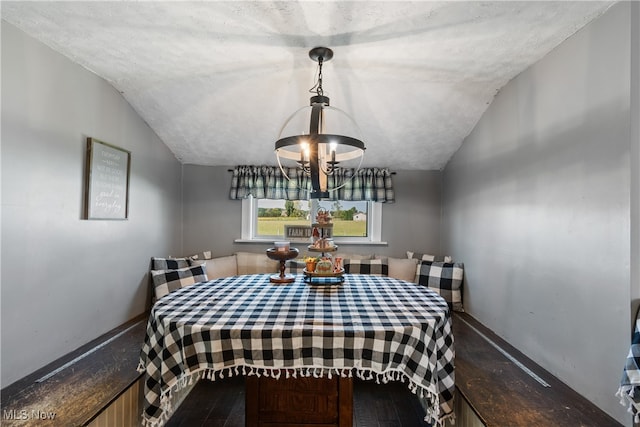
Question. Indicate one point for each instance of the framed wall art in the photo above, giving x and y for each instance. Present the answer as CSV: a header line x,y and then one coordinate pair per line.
x,y
106,192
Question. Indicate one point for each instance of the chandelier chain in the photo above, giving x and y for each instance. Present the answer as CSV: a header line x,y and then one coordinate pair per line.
x,y
319,91
317,87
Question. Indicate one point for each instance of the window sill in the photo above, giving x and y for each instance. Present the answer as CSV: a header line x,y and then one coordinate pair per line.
x,y
293,242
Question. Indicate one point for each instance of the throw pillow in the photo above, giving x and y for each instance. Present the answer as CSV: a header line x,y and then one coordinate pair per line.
x,y
445,278
168,263
376,267
166,281
403,268
429,257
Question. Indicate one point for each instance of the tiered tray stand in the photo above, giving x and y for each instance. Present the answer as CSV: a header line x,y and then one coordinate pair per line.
x,y
332,277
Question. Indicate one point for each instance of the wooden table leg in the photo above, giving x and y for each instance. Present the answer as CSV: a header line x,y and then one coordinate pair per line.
x,y
251,395
296,401
345,417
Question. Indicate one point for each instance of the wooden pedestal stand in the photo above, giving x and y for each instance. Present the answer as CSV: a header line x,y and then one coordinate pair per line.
x,y
282,256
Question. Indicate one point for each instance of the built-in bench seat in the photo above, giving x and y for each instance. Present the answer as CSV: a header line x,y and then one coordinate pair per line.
x,y
77,389
496,385
505,388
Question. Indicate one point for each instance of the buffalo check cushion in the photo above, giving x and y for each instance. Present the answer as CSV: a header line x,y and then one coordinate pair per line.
x,y
169,263
167,281
445,278
376,267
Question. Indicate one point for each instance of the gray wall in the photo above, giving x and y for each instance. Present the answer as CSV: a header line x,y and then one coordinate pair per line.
x,y
536,204
635,158
212,221
66,280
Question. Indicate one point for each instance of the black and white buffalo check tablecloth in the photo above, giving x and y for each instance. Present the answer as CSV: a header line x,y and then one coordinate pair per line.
x,y
372,327
629,391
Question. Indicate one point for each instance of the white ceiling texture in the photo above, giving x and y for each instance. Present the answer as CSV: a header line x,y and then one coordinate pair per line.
x,y
216,80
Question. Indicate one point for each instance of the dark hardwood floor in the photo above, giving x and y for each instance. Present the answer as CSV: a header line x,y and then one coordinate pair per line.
x,y
221,404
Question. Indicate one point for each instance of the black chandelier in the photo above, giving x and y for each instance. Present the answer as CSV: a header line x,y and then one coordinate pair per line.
x,y
319,139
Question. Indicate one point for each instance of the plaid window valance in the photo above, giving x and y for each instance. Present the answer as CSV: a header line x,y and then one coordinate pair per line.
x,y
268,182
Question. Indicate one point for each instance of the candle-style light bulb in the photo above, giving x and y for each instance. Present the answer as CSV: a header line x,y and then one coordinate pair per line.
x,y
304,152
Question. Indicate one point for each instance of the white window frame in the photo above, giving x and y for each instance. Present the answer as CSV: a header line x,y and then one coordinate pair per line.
x,y
374,225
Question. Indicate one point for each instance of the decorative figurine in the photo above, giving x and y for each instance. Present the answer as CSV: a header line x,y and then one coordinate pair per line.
x,y
323,216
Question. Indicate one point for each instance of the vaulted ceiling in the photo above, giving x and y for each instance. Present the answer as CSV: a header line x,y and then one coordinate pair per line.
x,y
216,80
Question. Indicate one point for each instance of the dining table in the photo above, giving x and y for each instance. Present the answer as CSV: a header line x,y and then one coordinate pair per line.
x,y
371,327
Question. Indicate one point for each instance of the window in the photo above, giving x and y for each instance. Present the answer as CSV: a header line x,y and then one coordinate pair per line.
x,y
354,222
272,215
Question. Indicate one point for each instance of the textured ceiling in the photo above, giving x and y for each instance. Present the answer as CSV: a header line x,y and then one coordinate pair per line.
x,y
216,80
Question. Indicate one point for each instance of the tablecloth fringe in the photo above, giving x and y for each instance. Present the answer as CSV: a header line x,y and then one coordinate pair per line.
x,y
432,410
166,400
627,395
